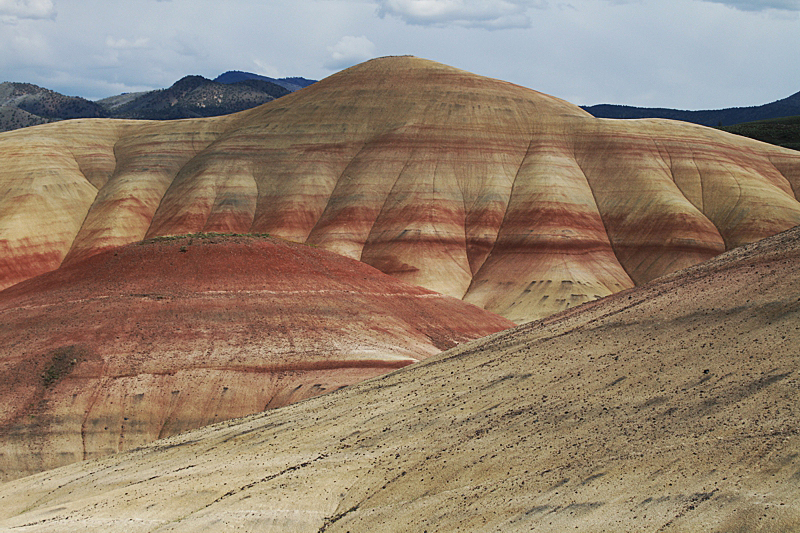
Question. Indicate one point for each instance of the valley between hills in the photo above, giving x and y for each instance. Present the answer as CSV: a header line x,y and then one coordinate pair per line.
x,y
164,279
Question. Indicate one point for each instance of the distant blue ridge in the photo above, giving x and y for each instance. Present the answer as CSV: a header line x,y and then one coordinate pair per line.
x,y
291,84
787,107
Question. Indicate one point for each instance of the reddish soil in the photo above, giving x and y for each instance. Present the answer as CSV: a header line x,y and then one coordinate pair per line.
x,y
169,334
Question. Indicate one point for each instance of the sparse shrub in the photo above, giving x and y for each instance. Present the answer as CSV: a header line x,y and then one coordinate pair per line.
x,y
62,362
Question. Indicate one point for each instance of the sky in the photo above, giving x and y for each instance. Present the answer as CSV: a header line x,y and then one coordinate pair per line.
x,y
685,54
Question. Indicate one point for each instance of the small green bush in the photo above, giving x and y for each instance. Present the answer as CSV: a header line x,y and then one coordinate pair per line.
x,y
62,362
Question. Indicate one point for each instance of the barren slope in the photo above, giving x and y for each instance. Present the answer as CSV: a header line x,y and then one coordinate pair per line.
x,y
510,199
155,338
667,408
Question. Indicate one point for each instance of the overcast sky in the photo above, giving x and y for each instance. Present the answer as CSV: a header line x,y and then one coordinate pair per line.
x,y
687,54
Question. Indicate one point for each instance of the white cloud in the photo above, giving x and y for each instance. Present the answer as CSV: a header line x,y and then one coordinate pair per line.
x,y
760,5
29,47
488,14
125,44
265,69
349,51
13,10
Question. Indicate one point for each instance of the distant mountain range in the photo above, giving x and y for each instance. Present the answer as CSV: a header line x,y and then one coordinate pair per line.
x,y
25,104
784,131
713,117
236,76
195,96
775,123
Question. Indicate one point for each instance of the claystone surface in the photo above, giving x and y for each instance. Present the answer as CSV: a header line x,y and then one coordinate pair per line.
x,y
510,199
151,339
670,407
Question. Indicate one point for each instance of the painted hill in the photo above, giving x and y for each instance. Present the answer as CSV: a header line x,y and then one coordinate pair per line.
x,y
786,107
171,334
512,200
666,408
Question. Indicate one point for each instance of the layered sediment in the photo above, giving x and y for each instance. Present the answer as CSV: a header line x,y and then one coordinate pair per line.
x,y
483,190
668,407
510,199
159,337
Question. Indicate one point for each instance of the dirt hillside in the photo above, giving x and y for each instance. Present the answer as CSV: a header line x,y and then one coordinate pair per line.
x,y
171,334
670,407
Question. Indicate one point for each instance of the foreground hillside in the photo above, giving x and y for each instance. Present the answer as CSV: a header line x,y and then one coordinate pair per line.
x,y
171,334
512,200
667,408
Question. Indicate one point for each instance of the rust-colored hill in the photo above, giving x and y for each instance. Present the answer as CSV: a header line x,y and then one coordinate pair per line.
x,y
166,335
667,408
513,200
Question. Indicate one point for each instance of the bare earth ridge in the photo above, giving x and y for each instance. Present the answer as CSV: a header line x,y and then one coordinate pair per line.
x,y
154,338
510,199
670,407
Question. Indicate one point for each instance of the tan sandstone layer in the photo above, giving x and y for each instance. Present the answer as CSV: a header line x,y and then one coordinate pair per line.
x,y
666,408
510,199
155,338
